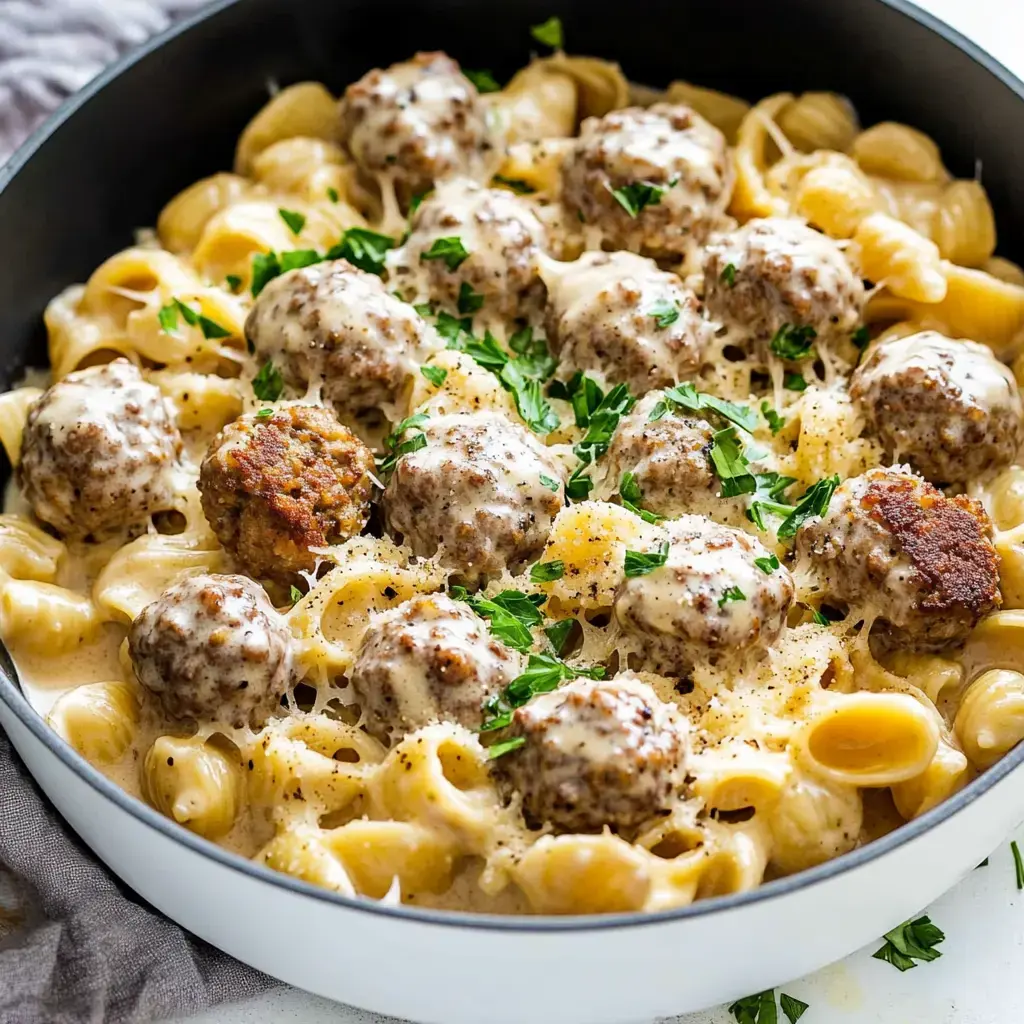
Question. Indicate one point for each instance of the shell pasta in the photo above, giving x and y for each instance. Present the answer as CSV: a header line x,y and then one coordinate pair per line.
x,y
562,496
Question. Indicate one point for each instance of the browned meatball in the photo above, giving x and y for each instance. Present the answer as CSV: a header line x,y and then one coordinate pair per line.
x,y
596,753
894,545
276,486
622,319
419,121
429,659
338,326
666,163
482,489
213,649
949,407
97,451
777,274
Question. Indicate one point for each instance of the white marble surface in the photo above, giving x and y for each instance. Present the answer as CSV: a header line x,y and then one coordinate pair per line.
x,y
980,977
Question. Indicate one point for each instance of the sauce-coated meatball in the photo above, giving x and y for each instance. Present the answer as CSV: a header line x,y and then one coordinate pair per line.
x,y
482,489
274,487
597,752
334,324
709,602
421,121
950,408
894,545
498,230
212,648
98,450
429,659
669,458
783,274
621,318
666,146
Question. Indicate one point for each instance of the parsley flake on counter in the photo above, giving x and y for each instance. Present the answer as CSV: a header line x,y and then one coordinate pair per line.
x,y
268,384
631,496
468,301
728,275
558,633
772,418
549,33
912,940
793,1008
482,79
363,248
638,195
547,572
1018,864
332,194
449,249
296,221
265,267
731,594
295,594
814,503
794,381
767,565
435,374
760,1009
505,747
665,313
234,282
520,187
642,563
792,342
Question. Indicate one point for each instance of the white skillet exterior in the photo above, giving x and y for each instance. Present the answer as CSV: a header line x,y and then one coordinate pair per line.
x,y
432,967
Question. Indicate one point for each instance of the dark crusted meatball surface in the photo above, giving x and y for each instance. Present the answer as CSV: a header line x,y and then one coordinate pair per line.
x,y
667,146
213,649
892,544
97,451
419,121
950,408
337,326
275,487
429,659
596,753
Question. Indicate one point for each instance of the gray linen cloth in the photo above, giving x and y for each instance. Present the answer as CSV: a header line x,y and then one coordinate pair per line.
x,y
76,947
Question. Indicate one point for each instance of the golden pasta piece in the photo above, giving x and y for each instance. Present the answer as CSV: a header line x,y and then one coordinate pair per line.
x,y
134,280
947,773
893,150
540,102
996,642
202,401
820,120
933,675
537,164
299,851
193,783
75,340
964,227
600,84
725,112
835,197
182,220
45,618
466,387
306,109
14,406
1004,270
98,719
734,776
893,254
751,197
736,858
1006,498
28,552
1010,548
990,722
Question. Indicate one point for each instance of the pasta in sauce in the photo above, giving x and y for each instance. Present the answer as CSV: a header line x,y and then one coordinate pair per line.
x,y
565,498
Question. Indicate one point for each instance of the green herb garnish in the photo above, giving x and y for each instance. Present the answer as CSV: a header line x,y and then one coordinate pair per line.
x,y
547,572
793,1008
731,594
332,194
295,594
861,338
760,1009
638,195
665,313
435,374
686,396
395,447
579,485
912,940
450,249
601,423
793,343
511,614
268,384
767,565
642,563
264,414
550,483
794,381
364,249
558,632
728,275
234,282
772,418
1018,864
483,80
296,259
265,267
814,503
549,33
731,464
631,496
496,750
469,301
296,221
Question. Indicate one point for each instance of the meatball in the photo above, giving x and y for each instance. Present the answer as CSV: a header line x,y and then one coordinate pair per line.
x,y
652,180
482,490
419,121
596,753
892,545
499,231
98,450
619,317
709,602
950,408
430,658
276,486
778,273
668,454
213,649
340,327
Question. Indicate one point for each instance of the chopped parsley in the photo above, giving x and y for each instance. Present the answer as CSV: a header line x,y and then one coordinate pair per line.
x,y
794,381
268,384
449,249
296,259
579,485
912,940
424,308
435,374
731,464
234,282
767,565
511,614
687,397
168,319
482,79
417,200
549,33
731,594
505,747
601,423
295,594
638,195
469,301
772,418
793,343
665,313
771,488
264,414
760,1009
728,275
1018,864
452,329
631,496
550,483
861,338
395,448
364,249
641,563
265,267
296,221
793,1008
818,617
547,572
814,503
520,187
332,194
558,633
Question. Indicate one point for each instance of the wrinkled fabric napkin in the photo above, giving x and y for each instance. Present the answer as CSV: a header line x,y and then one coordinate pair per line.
x,y
76,947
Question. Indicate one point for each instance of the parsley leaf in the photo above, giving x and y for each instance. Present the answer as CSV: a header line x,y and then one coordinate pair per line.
x,y
792,342
234,282
759,1009
1018,864
168,317
794,381
425,308
558,633
469,301
435,374
814,503
332,194
211,329
417,200
767,565
363,248
640,563
296,221
630,495
452,329
818,617
793,1008
549,33
510,615
773,419
395,448
265,267
190,316
665,313
550,483
687,397
295,594
728,275
296,259
912,940
731,464
505,746
861,338
483,80
520,187
264,414
268,384
731,594
487,352
579,485
450,249
637,195
602,423
547,572
531,404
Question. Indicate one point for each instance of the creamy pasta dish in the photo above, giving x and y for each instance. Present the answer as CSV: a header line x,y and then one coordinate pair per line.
x,y
559,497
